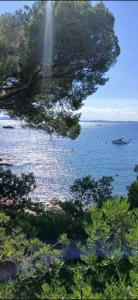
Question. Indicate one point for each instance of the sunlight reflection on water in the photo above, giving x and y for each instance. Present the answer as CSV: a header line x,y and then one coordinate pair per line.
x,y
57,163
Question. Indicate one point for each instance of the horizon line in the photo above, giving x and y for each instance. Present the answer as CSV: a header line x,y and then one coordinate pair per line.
x,y
113,121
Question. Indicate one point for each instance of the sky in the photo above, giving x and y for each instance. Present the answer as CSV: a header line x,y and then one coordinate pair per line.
x,y
118,99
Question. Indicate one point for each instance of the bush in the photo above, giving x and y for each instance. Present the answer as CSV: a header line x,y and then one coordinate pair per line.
x,y
136,168
71,253
133,195
88,191
49,225
105,269
14,190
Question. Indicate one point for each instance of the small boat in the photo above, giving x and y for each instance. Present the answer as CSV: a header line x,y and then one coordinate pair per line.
x,y
8,127
120,142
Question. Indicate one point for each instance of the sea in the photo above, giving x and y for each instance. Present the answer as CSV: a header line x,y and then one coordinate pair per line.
x,y
57,162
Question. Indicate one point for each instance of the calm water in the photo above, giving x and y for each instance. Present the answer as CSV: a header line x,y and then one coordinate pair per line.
x,y
57,162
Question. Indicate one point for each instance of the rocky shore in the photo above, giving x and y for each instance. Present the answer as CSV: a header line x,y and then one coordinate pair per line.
x,y
5,162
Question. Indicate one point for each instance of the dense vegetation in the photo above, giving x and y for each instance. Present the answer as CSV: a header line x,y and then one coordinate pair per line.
x,y
48,95
73,252
85,248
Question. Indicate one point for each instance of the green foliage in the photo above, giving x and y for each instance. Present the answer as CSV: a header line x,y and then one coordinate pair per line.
x,y
118,291
136,168
84,48
55,291
48,226
133,195
110,225
73,208
33,258
105,189
107,238
87,191
14,190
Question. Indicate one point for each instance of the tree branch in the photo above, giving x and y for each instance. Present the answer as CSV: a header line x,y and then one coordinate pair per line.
x,y
37,75
18,90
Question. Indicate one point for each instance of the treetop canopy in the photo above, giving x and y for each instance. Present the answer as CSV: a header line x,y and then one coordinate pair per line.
x,y
48,96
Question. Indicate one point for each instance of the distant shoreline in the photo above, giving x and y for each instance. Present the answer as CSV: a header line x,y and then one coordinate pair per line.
x,y
8,118
106,121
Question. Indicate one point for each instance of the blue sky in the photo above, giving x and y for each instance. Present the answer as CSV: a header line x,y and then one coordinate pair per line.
x,y
118,99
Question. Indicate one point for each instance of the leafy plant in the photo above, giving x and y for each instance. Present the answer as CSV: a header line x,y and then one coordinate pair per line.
x,y
88,191
133,195
14,189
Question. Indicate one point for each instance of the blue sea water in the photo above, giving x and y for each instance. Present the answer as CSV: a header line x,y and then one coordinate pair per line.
x,y
57,162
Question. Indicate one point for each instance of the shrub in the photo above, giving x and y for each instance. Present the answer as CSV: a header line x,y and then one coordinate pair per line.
x,y
133,194
88,191
14,190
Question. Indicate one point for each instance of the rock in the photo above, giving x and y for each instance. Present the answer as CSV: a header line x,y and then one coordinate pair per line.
x,y
53,205
8,269
8,127
5,163
54,201
54,208
31,212
71,253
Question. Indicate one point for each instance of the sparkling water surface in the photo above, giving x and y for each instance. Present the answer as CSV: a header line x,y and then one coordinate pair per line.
x,y
57,162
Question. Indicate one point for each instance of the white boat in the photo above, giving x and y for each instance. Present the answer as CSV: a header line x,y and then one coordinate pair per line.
x,y
120,142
